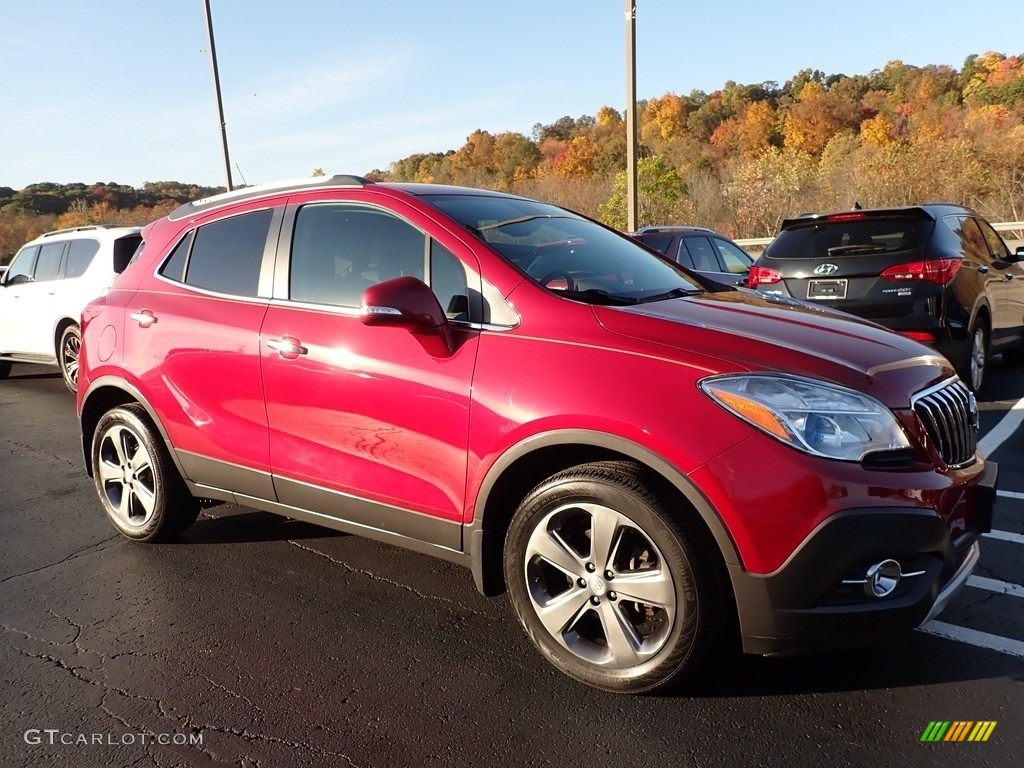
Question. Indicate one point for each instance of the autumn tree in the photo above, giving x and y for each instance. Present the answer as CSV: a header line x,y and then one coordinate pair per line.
x,y
660,190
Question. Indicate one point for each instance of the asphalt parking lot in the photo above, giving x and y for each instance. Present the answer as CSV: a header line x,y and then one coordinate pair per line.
x,y
257,641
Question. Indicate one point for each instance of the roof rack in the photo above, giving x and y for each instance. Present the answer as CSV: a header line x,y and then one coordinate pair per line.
x,y
74,229
313,182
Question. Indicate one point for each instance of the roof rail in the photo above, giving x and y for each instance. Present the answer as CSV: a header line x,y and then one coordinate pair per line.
x,y
74,229
206,203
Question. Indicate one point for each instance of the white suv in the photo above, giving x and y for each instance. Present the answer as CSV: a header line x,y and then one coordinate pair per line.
x,y
47,285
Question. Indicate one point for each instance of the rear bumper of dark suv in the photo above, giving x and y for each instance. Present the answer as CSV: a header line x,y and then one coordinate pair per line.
x,y
817,601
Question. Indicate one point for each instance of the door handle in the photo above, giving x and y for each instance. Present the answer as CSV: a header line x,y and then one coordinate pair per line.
x,y
288,347
144,318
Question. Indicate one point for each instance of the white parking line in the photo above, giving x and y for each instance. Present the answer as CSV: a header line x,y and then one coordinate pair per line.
x,y
1004,429
1016,538
974,637
994,585
1010,494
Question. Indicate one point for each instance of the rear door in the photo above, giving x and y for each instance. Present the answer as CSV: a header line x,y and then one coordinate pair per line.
x,y
192,341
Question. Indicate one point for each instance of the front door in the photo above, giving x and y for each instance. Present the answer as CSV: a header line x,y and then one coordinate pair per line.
x,y
366,426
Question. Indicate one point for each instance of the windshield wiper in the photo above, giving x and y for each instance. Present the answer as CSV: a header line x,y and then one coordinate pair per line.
x,y
674,293
599,296
520,220
841,250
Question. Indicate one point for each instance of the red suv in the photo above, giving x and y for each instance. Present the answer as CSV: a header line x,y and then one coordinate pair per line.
x,y
644,464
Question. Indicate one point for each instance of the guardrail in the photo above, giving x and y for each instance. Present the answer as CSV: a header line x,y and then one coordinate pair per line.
x,y
759,243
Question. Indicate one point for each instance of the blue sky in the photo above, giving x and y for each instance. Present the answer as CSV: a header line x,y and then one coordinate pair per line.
x,y
121,90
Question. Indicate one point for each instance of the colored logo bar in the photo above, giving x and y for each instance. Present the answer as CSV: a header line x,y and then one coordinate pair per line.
x,y
958,730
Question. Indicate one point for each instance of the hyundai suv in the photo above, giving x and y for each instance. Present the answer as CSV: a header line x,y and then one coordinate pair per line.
x,y
48,283
939,274
642,463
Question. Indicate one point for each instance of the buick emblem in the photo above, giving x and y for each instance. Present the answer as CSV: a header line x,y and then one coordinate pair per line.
x,y
826,269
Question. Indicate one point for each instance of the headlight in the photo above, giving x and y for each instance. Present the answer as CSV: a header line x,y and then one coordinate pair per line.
x,y
816,418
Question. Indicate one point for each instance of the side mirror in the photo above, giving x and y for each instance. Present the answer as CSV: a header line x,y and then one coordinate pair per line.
x,y
1019,253
407,302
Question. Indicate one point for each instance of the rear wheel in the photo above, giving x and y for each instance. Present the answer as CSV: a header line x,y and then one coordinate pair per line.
x,y
976,356
613,590
68,350
138,484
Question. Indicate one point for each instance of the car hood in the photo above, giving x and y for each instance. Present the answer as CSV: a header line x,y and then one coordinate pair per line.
x,y
742,330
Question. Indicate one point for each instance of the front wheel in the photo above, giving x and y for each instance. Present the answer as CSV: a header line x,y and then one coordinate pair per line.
x,y
613,590
5,369
138,484
68,350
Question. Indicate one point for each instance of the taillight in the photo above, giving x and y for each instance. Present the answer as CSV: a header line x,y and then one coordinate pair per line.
x,y
919,336
938,271
762,276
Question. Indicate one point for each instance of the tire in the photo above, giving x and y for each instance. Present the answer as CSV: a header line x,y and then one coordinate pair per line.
x,y
632,613
5,369
68,350
975,358
138,485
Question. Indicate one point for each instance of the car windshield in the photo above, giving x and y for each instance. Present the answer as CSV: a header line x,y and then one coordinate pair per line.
x,y
566,253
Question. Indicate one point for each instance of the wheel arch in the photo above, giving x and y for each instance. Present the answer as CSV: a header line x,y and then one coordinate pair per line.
x,y
109,392
58,331
525,465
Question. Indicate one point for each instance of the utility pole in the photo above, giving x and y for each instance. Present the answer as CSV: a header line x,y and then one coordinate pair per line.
x,y
631,143
216,88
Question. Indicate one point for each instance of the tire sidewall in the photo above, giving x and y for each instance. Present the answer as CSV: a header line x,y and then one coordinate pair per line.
x,y
681,644
71,330
158,524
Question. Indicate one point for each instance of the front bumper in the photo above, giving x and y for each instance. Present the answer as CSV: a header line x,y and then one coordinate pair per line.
x,y
818,601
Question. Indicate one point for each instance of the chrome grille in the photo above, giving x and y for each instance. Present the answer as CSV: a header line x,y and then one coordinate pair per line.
x,y
949,413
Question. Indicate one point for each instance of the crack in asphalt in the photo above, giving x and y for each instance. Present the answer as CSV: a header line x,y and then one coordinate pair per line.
x,y
182,722
72,556
33,450
392,582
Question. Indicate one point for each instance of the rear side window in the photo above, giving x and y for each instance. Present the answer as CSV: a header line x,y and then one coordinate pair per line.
x,y
849,237
80,257
124,251
174,267
48,264
227,255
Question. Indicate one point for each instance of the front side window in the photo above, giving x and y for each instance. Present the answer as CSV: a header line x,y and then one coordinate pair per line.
x,y
48,263
80,257
23,266
732,257
227,255
339,250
